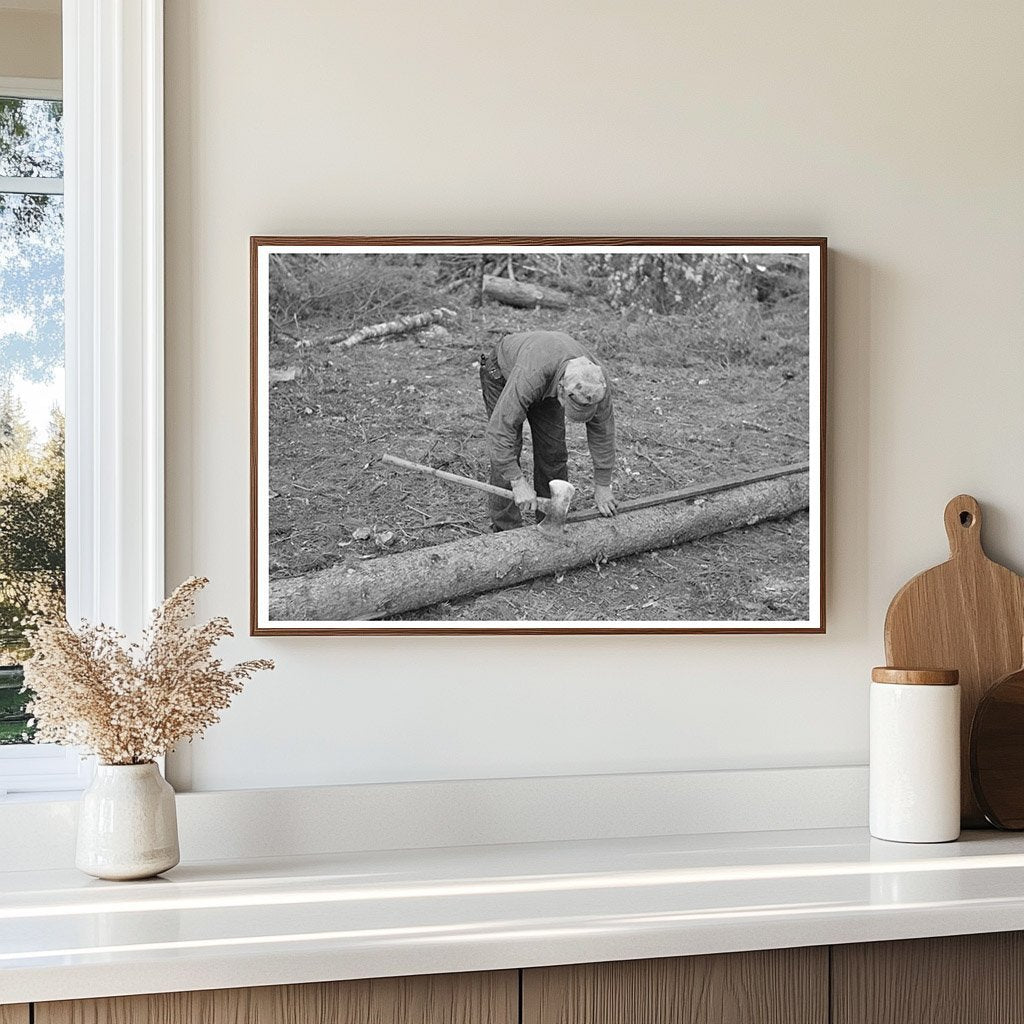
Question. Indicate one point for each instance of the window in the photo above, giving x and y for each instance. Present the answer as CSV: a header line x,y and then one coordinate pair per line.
x,y
31,383
113,330
32,530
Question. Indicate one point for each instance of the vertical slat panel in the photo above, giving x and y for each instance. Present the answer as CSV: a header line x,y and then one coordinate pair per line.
x,y
14,1014
482,998
781,986
960,979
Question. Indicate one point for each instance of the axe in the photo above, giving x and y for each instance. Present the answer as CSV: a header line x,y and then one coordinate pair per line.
x,y
554,508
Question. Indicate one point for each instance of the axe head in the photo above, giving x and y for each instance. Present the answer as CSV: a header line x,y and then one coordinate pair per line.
x,y
557,507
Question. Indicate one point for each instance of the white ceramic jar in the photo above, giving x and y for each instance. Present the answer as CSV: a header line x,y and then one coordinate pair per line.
x,y
915,755
127,823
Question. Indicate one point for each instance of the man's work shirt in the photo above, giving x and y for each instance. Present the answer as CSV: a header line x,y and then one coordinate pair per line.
x,y
532,364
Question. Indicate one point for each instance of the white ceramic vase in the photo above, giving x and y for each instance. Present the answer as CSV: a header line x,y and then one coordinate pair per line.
x,y
127,825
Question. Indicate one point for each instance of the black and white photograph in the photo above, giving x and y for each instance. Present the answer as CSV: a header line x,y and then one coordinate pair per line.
x,y
537,435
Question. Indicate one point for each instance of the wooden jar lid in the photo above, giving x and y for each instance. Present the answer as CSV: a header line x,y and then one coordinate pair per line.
x,y
916,676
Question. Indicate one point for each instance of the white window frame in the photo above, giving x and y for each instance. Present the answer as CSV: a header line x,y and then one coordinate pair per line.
x,y
114,321
32,88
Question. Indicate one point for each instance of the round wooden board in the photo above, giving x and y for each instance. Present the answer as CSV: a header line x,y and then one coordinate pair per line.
x,y
997,752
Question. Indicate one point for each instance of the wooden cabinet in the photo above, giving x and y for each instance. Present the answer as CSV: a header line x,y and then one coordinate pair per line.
x,y
967,979
962,979
778,986
491,998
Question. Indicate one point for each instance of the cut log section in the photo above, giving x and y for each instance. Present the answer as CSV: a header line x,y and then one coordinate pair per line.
x,y
522,294
401,324
418,579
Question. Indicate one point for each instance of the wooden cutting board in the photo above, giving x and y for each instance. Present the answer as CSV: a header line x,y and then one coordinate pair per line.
x,y
967,614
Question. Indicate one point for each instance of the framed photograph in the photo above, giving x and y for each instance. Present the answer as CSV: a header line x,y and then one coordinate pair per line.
x,y
537,435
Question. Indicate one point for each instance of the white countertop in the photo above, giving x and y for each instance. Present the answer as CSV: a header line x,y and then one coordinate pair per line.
x,y
352,915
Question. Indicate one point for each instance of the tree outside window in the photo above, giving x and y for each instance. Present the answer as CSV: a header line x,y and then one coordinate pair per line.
x,y
32,545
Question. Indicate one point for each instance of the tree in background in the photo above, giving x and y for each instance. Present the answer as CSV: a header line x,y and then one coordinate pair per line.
x,y
31,146
662,283
32,544
31,549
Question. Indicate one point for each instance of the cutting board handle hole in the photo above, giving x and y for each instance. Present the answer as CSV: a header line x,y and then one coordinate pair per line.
x,y
962,517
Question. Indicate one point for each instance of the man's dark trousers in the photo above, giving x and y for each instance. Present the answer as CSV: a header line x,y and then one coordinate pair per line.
x,y
547,428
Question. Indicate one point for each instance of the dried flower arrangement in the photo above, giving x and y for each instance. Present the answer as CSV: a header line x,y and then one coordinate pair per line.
x,y
130,703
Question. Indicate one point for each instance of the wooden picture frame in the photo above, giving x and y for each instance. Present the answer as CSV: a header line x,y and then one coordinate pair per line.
x,y
712,352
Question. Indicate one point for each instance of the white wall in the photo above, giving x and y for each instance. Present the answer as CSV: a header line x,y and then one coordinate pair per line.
x,y
895,129
30,41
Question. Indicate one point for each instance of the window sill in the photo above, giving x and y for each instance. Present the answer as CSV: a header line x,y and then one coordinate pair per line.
x,y
42,797
42,771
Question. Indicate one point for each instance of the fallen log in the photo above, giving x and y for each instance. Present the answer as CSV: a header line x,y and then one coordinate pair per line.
x,y
417,579
401,324
694,491
523,294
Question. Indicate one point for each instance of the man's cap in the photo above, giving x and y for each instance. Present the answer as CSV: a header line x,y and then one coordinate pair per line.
x,y
584,387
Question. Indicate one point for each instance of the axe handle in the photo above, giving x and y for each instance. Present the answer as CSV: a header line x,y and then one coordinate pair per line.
x,y
479,485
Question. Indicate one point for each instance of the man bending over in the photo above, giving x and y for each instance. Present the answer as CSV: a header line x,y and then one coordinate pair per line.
x,y
542,377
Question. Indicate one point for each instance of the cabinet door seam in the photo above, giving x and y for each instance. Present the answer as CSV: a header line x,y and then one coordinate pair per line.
x,y
830,987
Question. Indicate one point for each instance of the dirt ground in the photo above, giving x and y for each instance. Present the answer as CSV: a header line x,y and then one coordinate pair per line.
x,y
696,399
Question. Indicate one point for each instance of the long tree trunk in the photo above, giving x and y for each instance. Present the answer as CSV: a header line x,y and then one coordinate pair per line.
x,y
522,294
417,579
